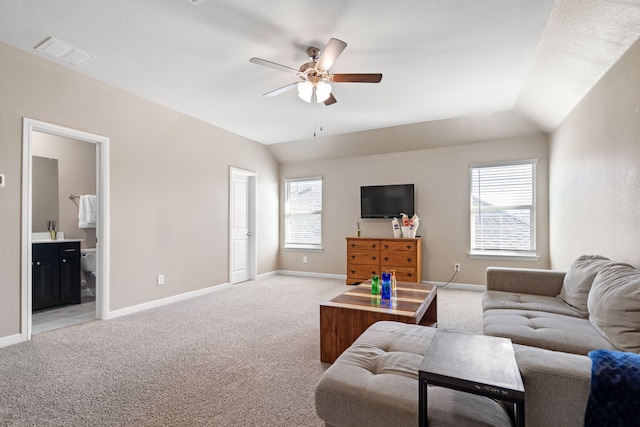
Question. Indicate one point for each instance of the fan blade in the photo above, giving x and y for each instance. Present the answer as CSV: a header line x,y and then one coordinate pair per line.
x,y
275,66
356,78
283,89
330,53
330,100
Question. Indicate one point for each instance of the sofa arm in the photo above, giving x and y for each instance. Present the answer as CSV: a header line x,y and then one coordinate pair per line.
x,y
525,280
557,386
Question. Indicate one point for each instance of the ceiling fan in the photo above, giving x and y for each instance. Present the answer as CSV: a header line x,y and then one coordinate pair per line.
x,y
315,84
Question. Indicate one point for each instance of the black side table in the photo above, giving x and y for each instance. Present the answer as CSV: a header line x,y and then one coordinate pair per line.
x,y
476,364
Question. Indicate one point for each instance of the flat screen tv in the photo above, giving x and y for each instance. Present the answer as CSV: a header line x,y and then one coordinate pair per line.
x,y
386,201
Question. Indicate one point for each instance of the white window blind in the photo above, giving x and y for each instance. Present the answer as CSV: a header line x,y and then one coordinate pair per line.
x,y
503,207
303,213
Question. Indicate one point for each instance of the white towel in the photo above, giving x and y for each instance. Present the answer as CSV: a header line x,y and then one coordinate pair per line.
x,y
88,208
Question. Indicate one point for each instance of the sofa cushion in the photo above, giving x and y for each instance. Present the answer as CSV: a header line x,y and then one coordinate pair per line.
x,y
578,281
545,330
510,300
614,306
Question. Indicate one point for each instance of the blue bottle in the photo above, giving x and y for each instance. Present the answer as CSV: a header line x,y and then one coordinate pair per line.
x,y
386,285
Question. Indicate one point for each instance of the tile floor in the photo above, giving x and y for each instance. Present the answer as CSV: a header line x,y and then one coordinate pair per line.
x,y
48,320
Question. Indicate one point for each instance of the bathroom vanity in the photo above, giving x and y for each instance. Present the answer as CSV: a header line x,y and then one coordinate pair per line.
x,y
56,273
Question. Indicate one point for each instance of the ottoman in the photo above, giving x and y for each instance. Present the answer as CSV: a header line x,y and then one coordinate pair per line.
x,y
375,383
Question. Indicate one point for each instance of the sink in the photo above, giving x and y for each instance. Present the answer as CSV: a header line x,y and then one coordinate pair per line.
x,y
45,237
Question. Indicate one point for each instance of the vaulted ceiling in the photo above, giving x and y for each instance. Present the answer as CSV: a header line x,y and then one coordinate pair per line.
x,y
441,60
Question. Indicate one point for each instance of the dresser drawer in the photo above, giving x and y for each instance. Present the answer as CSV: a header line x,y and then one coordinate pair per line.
x,y
403,274
363,244
399,245
363,272
398,259
363,257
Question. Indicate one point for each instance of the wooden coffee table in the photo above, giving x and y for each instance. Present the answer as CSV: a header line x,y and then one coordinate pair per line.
x,y
345,317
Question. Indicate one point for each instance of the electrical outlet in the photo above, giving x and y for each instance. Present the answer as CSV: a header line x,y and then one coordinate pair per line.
x,y
456,267
304,259
160,279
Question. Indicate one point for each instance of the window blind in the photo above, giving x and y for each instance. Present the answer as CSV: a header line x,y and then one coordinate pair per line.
x,y
303,213
503,208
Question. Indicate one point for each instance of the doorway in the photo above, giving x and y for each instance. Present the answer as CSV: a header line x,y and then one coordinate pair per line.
x,y
31,130
242,220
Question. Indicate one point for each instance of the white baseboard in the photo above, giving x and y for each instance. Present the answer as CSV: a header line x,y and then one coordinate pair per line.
x,y
265,275
11,340
165,301
311,274
462,286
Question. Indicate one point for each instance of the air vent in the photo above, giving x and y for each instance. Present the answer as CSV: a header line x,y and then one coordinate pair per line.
x,y
64,51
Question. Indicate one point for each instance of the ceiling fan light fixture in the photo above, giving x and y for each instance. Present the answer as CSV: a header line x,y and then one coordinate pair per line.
x,y
323,90
305,91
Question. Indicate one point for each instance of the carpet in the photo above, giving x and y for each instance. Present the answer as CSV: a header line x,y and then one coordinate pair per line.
x,y
244,355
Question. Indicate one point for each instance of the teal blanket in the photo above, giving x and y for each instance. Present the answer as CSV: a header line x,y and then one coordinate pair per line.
x,y
614,400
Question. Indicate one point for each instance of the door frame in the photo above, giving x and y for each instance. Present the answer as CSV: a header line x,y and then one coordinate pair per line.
x,y
252,259
103,225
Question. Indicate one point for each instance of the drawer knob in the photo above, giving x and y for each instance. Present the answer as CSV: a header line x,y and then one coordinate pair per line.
x,y
38,263
409,260
386,246
64,260
386,258
408,247
353,245
374,258
353,257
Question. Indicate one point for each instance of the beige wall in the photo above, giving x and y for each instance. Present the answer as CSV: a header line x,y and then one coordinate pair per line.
x,y
169,184
76,175
441,178
595,171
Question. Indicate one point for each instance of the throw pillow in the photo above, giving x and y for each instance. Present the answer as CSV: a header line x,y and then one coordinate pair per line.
x,y
614,306
578,280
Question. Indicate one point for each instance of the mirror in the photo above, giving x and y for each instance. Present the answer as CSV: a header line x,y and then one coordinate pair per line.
x,y
45,193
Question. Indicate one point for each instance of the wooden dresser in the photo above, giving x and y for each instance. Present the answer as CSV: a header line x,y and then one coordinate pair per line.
x,y
369,256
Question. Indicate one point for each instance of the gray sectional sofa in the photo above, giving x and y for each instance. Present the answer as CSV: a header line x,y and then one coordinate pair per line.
x,y
555,319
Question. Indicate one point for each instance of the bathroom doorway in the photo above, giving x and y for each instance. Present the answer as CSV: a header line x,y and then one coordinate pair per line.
x,y
83,170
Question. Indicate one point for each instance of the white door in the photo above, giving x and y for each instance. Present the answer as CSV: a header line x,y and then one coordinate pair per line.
x,y
242,219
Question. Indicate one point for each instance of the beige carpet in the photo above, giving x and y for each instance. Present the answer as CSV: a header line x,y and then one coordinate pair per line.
x,y
247,355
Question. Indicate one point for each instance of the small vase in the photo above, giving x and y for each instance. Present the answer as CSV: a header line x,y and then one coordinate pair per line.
x,y
375,285
386,285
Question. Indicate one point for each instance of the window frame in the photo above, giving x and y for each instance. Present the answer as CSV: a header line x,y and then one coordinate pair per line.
x,y
288,213
513,254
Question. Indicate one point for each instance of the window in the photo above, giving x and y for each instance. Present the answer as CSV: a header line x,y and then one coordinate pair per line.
x,y
503,209
303,213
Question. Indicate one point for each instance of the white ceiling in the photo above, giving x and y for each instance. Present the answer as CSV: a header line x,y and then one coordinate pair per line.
x,y
441,59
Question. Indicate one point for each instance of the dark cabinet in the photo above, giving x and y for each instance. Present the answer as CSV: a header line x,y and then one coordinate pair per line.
x,y
56,274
